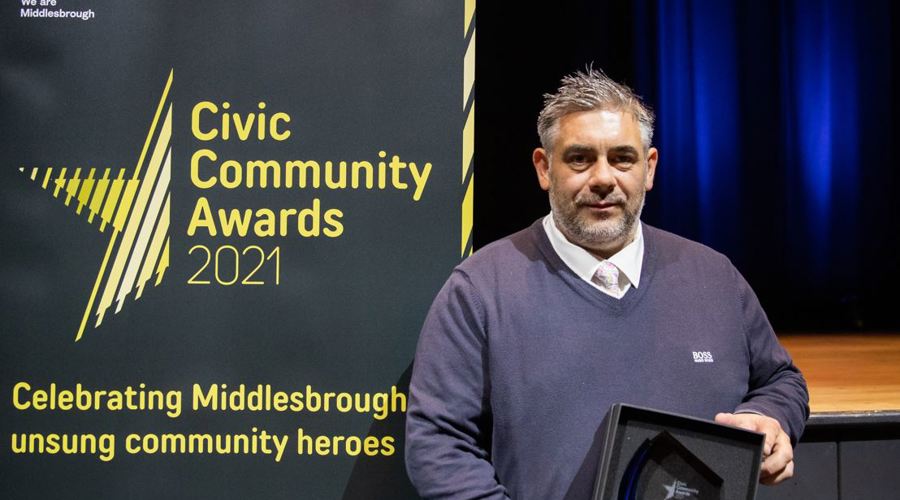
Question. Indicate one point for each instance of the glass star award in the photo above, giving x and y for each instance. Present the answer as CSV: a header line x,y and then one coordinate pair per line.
x,y
663,468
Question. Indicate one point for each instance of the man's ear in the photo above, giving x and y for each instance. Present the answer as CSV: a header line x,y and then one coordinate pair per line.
x,y
541,160
652,159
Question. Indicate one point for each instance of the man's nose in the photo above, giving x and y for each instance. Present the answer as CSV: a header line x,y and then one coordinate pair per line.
x,y
602,178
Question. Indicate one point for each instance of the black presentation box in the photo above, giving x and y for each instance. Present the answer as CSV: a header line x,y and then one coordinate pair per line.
x,y
649,454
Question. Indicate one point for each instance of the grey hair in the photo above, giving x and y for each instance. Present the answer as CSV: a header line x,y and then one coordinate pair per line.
x,y
588,91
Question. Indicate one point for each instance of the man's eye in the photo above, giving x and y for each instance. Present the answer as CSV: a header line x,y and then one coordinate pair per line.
x,y
578,159
622,161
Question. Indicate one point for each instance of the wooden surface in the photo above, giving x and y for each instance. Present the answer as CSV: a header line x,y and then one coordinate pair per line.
x,y
848,372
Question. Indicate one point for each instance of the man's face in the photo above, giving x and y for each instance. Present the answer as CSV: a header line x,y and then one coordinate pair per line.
x,y
597,174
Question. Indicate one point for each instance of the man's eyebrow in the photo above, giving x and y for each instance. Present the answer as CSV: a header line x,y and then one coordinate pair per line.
x,y
579,148
623,150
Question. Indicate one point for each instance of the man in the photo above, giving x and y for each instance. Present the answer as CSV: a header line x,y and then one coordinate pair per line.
x,y
534,337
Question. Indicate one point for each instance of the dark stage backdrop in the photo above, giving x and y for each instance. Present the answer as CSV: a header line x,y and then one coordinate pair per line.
x,y
222,225
775,124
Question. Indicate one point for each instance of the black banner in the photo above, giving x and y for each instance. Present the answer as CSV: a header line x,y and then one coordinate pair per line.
x,y
222,226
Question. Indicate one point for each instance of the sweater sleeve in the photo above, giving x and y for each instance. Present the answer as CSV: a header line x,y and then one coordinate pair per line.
x,y
448,426
776,388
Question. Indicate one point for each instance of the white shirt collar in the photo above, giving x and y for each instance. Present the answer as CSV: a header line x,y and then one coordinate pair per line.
x,y
629,259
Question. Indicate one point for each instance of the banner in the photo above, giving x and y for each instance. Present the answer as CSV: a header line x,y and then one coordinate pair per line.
x,y
222,226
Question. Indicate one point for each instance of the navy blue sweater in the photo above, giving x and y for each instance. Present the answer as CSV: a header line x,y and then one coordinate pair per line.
x,y
519,360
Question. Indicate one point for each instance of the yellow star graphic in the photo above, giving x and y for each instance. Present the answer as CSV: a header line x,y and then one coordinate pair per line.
x,y
136,208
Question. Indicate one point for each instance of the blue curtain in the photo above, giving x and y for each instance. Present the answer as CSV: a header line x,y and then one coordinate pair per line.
x,y
771,119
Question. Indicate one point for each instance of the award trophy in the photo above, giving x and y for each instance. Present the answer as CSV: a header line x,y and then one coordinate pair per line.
x,y
648,455
662,464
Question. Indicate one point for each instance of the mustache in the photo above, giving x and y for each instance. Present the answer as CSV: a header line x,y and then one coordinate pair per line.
x,y
591,199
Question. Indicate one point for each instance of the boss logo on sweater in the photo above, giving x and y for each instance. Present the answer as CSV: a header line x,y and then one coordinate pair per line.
x,y
702,357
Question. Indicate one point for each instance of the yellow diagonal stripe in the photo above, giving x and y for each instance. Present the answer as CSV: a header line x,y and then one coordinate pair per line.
x,y
467,213
87,310
60,182
468,143
128,192
72,186
163,263
97,199
156,247
469,70
115,190
47,177
470,13
84,195
159,108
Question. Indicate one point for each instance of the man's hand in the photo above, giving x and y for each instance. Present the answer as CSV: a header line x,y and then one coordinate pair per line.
x,y
778,456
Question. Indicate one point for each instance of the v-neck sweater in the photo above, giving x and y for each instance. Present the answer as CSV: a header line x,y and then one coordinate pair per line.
x,y
519,360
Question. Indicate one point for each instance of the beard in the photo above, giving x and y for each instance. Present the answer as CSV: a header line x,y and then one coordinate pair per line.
x,y
589,232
